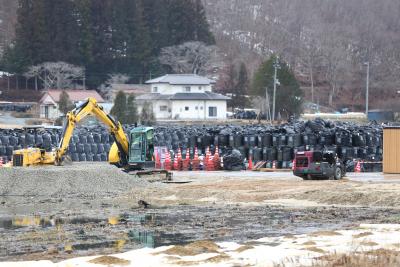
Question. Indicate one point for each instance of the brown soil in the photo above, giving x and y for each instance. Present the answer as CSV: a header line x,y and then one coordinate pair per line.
x,y
362,234
192,249
325,233
315,249
109,260
309,243
369,244
250,191
244,248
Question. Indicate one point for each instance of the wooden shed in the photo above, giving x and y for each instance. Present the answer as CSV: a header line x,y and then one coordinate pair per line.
x,y
391,150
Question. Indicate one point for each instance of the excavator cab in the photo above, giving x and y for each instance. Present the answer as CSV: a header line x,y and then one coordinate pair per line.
x,y
141,149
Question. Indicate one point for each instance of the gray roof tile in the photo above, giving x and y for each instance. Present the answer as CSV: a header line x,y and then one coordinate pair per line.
x,y
182,79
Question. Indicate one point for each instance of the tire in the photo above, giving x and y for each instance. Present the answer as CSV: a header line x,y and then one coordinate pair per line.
x,y
338,174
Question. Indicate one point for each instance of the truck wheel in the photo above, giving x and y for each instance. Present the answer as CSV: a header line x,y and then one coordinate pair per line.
x,y
338,174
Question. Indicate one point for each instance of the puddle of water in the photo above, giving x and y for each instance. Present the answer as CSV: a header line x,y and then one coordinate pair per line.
x,y
29,221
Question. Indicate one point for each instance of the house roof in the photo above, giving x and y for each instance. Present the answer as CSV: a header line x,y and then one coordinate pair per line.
x,y
135,89
183,96
182,79
74,95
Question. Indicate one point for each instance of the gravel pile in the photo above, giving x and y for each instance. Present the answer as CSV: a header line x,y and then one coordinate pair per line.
x,y
89,180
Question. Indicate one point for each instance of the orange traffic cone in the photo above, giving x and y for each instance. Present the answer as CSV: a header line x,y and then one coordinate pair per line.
x,y
186,162
207,159
167,163
179,157
157,161
1,162
196,161
293,165
358,167
210,163
274,165
250,167
176,167
216,160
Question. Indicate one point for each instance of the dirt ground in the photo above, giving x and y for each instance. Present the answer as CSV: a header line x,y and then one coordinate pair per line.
x,y
254,188
58,213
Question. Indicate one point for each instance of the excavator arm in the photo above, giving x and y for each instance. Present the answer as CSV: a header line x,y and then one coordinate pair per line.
x,y
91,107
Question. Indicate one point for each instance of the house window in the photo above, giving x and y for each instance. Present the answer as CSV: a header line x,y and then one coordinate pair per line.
x,y
212,111
197,108
163,108
155,89
200,88
187,89
201,108
186,108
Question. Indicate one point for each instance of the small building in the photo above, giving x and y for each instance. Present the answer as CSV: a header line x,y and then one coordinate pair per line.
x,y
49,102
184,97
129,89
380,115
391,150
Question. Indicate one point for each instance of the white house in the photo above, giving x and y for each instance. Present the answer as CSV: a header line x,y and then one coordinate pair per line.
x,y
49,101
184,96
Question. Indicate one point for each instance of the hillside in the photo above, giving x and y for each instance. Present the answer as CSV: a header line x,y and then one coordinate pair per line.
x,y
325,42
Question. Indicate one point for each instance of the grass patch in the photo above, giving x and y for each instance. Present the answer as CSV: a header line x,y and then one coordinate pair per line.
x,y
325,233
110,260
192,249
243,248
362,234
309,243
369,244
315,249
375,258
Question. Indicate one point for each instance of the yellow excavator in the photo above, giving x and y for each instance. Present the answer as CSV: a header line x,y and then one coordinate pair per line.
x,y
136,155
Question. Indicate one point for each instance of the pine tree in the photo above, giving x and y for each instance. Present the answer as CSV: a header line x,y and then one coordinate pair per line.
x,y
202,28
289,97
107,36
147,115
65,104
132,113
240,89
119,110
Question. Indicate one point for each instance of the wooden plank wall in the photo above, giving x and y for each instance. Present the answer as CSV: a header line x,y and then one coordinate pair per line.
x,y
391,150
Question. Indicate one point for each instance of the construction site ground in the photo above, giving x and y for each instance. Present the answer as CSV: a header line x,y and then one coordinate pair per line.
x,y
93,209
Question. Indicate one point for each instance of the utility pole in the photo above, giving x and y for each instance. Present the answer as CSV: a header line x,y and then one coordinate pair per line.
x,y
267,106
367,89
276,67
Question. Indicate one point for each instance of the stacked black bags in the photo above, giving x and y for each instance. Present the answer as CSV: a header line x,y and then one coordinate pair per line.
x,y
260,142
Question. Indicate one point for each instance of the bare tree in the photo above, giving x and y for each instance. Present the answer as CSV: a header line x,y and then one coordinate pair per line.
x,y
58,75
115,78
190,57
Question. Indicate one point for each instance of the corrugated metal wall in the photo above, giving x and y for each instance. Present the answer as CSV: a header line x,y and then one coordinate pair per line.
x,y
391,150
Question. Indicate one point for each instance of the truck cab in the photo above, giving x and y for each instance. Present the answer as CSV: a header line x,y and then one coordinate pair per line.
x,y
311,165
141,148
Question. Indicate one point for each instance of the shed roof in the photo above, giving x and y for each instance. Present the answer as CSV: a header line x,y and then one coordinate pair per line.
x,y
74,95
182,79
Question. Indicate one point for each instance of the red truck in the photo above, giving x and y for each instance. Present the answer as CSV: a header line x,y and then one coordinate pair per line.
x,y
312,165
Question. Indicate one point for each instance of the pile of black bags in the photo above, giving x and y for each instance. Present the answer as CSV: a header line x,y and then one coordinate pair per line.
x,y
260,142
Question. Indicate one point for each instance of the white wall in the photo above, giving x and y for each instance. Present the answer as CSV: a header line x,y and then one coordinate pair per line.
x,y
168,89
198,110
54,113
157,109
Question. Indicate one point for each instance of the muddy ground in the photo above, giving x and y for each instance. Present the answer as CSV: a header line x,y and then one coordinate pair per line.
x,y
88,209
